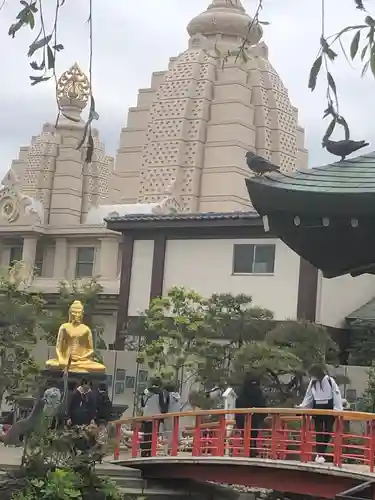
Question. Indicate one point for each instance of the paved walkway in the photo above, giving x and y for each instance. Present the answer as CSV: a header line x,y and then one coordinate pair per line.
x,y
10,456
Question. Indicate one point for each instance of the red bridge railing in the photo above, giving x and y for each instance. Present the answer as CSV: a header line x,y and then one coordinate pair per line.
x,y
272,433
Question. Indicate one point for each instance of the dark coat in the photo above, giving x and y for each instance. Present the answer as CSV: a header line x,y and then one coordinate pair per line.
x,y
251,396
103,407
82,407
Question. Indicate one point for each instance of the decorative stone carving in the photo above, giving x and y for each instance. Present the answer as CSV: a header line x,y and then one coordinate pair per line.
x,y
14,204
73,84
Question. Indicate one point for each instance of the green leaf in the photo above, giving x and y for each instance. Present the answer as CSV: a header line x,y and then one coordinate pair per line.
x,y
31,20
37,67
50,58
363,53
38,44
264,23
355,44
372,61
370,21
331,83
331,54
330,129
58,47
39,79
365,68
14,28
314,72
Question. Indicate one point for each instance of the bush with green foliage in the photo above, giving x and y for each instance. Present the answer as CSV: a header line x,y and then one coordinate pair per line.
x,y
214,342
59,465
21,313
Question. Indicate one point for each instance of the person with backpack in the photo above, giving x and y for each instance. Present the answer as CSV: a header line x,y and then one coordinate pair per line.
x,y
322,394
251,396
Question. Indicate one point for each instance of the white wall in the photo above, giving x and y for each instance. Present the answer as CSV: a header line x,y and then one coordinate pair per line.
x,y
140,283
206,267
338,297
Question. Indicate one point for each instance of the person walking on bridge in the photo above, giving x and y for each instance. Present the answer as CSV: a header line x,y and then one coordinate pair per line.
x,y
322,394
251,396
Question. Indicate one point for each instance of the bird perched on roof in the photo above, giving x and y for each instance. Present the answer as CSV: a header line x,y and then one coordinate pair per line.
x,y
343,148
259,165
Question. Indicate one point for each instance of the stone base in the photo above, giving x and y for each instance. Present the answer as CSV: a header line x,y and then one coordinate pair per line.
x,y
55,377
74,378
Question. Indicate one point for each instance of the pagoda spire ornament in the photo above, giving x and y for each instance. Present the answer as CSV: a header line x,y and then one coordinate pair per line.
x,y
73,91
227,18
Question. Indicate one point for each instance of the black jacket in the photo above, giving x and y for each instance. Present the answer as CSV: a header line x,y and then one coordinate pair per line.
x,y
103,407
250,396
82,407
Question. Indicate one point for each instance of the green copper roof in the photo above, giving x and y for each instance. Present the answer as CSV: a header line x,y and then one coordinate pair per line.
x,y
364,313
356,175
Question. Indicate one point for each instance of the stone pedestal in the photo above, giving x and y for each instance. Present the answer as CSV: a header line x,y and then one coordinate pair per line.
x,y
55,377
74,378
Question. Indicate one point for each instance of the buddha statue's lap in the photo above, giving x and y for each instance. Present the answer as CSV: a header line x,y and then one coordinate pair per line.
x,y
74,345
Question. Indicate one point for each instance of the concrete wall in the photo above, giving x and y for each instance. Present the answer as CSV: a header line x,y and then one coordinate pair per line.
x,y
338,297
140,282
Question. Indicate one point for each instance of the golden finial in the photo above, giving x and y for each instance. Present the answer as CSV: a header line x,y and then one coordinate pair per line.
x,y
73,84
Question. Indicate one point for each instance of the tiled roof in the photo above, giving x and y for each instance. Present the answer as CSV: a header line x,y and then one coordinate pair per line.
x,y
356,175
186,216
365,312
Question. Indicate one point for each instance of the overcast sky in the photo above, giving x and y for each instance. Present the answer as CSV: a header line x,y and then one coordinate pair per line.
x,y
133,38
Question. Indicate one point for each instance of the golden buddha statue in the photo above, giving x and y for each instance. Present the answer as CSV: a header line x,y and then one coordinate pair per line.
x,y
74,345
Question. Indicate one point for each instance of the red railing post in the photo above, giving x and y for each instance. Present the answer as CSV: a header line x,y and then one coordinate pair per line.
x,y
304,438
372,445
275,435
155,436
338,430
135,439
116,453
196,449
221,435
175,436
247,435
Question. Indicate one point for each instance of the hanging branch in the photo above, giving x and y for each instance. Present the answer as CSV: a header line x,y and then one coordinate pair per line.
x,y
87,137
46,46
43,51
326,56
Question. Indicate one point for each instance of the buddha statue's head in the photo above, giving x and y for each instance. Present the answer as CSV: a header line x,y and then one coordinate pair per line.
x,y
76,312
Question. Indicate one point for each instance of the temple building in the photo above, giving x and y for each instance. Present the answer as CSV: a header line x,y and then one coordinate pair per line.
x,y
172,208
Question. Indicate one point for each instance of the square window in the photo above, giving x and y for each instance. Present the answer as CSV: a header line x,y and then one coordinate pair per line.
x,y
143,376
15,254
130,382
351,395
85,262
141,388
120,375
264,259
253,259
39,257
109,381
119,388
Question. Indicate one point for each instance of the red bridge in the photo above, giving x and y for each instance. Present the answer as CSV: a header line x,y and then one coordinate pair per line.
x,y
279,456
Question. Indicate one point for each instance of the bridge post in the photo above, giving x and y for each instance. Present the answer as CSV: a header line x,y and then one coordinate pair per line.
x,y
175,436
197,437
338,440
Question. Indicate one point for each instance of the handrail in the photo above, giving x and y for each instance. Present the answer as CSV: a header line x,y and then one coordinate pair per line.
x,y
354,415
276,433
